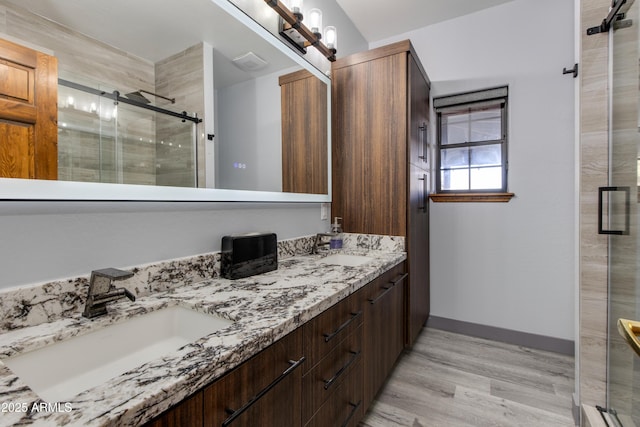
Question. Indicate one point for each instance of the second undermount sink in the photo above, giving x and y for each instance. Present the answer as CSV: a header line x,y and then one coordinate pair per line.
x,y
346,259
62,370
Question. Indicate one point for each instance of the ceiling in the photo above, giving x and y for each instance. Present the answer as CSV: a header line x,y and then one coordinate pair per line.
x,y
381,19
154,32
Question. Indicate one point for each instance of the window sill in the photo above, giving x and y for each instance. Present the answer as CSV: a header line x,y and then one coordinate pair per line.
x,y
471,197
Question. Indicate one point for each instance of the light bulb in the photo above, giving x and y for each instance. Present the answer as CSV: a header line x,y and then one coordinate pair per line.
x,y
331,37
315,21
296,8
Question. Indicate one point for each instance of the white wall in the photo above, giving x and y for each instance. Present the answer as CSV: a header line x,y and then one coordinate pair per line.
x,y
250,133
510,265
43,241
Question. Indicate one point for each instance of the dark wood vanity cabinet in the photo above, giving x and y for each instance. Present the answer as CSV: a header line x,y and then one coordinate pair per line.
x,y
383,329
185,414
380,157
265,390
325,373
332,384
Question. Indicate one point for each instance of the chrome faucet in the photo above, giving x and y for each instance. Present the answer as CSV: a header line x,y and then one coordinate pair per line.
x,y
102,291
318,242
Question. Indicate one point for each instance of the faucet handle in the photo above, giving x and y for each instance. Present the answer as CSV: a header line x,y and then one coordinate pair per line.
x,y
113,273
128,294
101,280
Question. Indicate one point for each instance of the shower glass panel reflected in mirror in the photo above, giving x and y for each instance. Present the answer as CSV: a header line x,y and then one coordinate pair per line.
x,y
102,140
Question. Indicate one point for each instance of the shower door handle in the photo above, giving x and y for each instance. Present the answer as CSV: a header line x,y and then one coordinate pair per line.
x,y
627,210
630,329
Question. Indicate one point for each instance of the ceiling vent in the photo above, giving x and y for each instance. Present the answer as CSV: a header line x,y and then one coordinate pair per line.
x,y
249,62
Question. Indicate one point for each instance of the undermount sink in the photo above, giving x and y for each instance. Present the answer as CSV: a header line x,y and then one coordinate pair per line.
x,y
346,259
62,370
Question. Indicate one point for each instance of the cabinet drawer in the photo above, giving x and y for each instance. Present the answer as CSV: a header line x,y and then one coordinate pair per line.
x,y
186,413
345,406
337,366
265,390
322,333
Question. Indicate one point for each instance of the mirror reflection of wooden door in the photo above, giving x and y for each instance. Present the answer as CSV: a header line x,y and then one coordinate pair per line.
x,y
304,133
28,113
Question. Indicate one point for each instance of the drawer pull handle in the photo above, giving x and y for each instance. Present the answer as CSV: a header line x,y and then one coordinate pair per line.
x,y
400,279
376,299
355,407
388,288
235,414
328,383
354,316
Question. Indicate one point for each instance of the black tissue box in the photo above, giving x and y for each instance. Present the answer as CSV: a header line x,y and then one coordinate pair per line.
x,y
245,255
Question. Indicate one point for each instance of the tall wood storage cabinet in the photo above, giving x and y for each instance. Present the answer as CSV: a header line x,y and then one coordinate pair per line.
x,y
381,167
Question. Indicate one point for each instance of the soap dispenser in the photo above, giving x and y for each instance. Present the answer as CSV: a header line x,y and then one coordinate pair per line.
x,y
336,234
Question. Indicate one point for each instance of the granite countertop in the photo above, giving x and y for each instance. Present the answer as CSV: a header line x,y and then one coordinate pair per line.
x,y
263,309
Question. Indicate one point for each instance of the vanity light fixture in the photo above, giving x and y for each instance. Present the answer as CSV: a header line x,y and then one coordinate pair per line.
x,y
298,34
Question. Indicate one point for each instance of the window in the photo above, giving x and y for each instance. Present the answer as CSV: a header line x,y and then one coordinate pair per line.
x,y
472,142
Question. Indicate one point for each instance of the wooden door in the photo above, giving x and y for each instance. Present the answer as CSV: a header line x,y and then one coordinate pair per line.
x,y
28,113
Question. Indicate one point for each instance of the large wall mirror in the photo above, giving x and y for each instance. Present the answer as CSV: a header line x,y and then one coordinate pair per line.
x,y
189,100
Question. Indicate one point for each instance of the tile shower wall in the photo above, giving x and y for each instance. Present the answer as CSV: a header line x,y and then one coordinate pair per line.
x,y
180,76
594,158
78,54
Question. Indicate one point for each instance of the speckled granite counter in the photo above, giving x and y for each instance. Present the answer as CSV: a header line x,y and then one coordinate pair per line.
x,y
263,309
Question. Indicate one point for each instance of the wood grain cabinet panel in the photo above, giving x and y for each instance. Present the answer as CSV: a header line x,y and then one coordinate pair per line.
x,y
320,383
187,413
265,390
384,329
345,406
322,333
380,156
304,133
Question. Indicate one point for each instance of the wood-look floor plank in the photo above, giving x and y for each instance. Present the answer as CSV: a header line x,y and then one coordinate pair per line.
x,y
449,379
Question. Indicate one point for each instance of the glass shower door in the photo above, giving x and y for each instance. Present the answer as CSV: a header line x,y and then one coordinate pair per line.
x,y
619,219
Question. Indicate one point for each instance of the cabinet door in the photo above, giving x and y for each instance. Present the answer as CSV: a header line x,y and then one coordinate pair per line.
x,y
369,145
418,253
264,391
187,413
419,128
384,326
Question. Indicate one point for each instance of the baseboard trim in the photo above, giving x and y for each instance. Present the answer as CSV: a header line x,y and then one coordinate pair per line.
x,y
525,339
